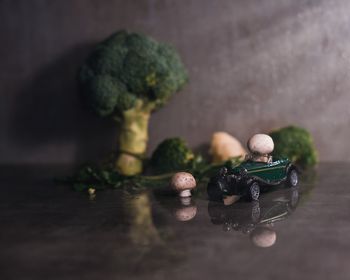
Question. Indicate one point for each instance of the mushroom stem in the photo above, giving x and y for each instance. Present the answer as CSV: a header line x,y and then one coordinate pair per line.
x,y
185,201
185,193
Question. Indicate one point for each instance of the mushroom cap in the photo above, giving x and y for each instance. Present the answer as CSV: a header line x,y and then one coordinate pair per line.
x,y
182,181
260,144
185,213
263,237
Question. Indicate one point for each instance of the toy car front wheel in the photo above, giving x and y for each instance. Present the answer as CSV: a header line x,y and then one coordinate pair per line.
x,y
256,212
254,191
214,191
293,178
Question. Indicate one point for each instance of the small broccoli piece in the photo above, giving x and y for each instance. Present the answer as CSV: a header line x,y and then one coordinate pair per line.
x,y
297,144
172,154
126,77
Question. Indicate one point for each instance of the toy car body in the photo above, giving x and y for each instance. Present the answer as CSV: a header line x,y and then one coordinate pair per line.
x,y
250,176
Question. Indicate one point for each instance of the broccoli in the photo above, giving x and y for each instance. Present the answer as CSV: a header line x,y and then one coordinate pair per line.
x,y
172,154
126,77
296,143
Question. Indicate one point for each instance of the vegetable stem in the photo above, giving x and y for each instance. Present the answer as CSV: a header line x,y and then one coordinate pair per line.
x,y
133,140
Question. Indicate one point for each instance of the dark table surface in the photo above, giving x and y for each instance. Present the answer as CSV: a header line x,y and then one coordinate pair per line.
x,y
49,231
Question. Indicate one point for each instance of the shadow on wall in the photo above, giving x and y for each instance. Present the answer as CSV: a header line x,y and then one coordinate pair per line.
x,y
49,112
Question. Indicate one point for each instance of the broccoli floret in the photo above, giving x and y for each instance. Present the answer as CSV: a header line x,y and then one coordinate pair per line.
x,y
172,154
297,144
126,77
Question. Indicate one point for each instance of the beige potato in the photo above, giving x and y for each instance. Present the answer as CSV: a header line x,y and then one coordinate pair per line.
x,y
224,146
229,200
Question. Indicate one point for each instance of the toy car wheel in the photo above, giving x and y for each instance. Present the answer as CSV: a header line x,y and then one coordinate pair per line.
x,y
294,199
214,191
293,178
254,191
255,212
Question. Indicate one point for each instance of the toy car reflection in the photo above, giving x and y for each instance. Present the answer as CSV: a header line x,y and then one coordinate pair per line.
x,y
256,219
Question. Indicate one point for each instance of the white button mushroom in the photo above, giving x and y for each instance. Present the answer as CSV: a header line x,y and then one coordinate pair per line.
x,y
260,146
183,183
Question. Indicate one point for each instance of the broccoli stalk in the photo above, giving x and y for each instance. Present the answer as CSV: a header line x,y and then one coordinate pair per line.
x,y
127,77
133,139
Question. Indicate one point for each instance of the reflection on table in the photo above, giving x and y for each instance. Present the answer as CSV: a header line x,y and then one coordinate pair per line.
x,y
257,218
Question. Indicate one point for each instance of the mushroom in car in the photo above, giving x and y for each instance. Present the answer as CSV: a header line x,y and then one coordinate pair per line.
x,y
183,183
260,146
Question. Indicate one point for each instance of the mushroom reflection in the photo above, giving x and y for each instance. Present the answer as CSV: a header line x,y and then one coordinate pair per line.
x,y
257,218
263,236
185,209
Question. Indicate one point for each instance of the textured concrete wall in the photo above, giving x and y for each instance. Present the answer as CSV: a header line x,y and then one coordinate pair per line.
x,y
254,65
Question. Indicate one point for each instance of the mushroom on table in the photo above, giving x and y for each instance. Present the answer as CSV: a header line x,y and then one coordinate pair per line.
x,y
183,183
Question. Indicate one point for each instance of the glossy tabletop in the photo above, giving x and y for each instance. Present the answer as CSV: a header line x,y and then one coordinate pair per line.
x,y
49,231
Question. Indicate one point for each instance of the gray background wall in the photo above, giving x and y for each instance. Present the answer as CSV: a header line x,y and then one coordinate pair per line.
x,y
254,65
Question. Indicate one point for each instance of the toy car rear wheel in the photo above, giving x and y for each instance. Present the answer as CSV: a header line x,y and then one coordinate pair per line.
x,y
292,178
254,191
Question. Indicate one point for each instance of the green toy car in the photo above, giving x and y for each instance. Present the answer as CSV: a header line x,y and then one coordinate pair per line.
x,y
250,177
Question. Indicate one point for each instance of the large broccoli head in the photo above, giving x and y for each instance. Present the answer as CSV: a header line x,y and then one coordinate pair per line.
x,y
296,143
127,68
126,77
172,154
